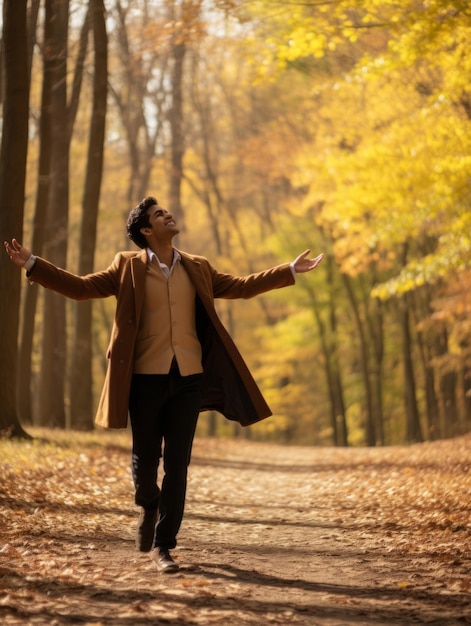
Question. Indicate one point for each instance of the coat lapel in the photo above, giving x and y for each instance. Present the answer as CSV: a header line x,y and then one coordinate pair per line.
x,y
138,277
193,268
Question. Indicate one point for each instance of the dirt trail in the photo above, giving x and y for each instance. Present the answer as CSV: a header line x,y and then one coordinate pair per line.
x,y
271,535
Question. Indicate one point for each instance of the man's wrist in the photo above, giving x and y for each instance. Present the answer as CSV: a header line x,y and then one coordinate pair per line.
x,y
30,263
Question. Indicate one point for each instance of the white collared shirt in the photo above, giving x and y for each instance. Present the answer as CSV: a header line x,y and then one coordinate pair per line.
x,y
167,271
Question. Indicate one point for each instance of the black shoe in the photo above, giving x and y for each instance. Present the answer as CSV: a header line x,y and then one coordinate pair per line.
x,y
164,561
146,529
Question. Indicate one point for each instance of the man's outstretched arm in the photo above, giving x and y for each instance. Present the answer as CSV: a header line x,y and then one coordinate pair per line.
x,y
96,285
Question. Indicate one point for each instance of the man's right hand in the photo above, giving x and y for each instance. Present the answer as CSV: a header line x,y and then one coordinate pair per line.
x,y
18,255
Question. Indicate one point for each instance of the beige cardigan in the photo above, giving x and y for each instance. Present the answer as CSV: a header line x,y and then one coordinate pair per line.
x,y
228,385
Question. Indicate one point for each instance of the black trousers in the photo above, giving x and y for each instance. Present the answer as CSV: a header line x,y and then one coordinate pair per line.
x,y
164,412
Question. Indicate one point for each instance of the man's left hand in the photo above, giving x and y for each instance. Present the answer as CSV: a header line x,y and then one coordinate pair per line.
x,y
302,264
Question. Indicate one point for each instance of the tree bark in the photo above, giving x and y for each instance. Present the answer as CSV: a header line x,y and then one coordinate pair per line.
x,y
81,388
376,330
370,430
32,21
414,431
37,244
53,363
338,399
13,154
176,126
328,339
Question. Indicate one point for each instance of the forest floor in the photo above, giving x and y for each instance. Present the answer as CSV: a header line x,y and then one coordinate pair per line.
x,y
271,535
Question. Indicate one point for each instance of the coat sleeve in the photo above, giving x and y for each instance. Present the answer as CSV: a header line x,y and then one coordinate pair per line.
x,y
232,287
97,285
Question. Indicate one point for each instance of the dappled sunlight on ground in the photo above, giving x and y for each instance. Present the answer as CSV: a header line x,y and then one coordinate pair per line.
x,y
277,535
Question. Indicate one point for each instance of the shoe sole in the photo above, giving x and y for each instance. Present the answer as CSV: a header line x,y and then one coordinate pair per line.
x,y
170,569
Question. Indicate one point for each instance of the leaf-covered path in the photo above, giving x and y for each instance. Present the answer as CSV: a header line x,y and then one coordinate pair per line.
x,y
271,535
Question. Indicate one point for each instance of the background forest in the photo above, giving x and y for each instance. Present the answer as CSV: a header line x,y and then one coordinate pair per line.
x,y
266,127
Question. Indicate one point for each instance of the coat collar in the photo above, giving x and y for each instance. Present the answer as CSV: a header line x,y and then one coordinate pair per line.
x,y
138,268
138,277
192,266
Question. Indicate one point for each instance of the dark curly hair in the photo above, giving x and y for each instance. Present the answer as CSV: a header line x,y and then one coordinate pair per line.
x,y
138,218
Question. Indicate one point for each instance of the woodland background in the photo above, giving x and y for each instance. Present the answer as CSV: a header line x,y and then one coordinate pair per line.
x,y
266,127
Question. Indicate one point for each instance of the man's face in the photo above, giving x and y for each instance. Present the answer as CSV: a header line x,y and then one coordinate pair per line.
x,y
161,223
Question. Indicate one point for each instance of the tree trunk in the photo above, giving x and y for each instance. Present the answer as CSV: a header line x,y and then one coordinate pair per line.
x,y
466,377
37,244
53,364
375,320
448,385
32,21
13,153
370,431
447,388
338,400
176,126
81,388
337,408
414,431
328,339
431,403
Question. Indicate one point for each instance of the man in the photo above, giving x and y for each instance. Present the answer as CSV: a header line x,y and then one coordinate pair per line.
x,y
169,357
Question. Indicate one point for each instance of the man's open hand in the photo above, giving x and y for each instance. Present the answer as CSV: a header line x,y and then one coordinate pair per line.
x,y
302,264
16,252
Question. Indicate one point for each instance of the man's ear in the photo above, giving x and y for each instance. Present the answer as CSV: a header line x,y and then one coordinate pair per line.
x,y
146,230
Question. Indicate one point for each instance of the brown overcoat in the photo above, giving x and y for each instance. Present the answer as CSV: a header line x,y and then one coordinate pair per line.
x,y
228,385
